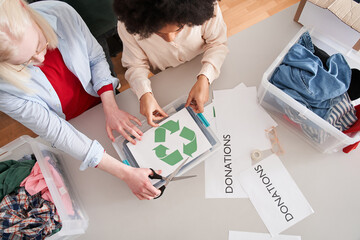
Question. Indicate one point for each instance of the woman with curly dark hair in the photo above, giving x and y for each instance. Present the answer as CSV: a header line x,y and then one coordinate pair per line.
x,y
158,34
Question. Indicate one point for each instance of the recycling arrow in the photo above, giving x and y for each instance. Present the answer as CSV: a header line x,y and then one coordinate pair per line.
x,y
173,158
160,151
191,147
160,132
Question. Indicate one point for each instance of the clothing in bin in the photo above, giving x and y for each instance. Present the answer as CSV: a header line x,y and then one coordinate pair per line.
x,y
318,81
27,209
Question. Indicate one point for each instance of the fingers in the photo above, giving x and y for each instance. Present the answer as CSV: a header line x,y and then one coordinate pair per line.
x,y
150,121
156,115
143,196
162,112
126,136
140,197
133,130
125,127
135,119
150,116
148,193
188,101
141,185
159,114
110,134
151,109
193,105
200,107
153,191
199,94
135,133
197,105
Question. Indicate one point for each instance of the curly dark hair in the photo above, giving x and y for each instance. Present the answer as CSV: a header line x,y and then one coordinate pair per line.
x,y
145,17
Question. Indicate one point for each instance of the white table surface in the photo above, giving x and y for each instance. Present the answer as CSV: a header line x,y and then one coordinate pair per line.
x,y
329,182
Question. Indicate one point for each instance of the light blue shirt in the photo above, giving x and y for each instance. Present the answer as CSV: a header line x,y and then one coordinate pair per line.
x,y
41,111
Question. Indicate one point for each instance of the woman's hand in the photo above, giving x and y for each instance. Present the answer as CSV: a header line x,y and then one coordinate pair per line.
x,y
151,109
139,183
199,94
137,179
119,120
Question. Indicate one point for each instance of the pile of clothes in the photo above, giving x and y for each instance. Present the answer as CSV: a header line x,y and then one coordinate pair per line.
x,y
27,210
324,84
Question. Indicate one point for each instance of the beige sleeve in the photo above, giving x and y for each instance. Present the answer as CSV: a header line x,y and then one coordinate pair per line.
x,y
214,33
136,62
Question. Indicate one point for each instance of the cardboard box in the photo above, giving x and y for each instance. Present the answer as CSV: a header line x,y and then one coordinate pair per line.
x,y
341,17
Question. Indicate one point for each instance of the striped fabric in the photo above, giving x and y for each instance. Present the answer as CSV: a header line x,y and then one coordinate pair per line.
x,y
312,131
343,114
23,216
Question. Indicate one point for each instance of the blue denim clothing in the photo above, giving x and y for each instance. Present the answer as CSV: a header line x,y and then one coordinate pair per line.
x,y
302,76
306,41
41,111
322,89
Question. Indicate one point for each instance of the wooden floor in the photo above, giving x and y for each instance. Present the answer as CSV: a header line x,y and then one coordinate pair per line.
x,y
238,15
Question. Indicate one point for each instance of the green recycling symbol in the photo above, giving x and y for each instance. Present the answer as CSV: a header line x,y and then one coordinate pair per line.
x,y
175,156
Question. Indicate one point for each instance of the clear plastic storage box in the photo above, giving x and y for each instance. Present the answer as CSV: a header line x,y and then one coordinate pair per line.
x,y
279,103
170,109
73,217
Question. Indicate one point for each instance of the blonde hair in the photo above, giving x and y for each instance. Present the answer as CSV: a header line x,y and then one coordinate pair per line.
x,y
15,17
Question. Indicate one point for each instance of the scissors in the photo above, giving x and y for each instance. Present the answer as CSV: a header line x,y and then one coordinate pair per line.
x,y
169,178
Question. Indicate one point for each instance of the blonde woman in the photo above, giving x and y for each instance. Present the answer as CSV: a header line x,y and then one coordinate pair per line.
x,y
51,70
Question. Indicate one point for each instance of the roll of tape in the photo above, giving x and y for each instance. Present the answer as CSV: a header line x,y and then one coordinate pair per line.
x,y
256,155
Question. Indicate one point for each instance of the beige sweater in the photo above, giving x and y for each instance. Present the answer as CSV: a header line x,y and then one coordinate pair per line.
x,y
140,56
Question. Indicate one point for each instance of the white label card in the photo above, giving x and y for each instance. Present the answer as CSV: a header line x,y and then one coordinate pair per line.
x,y
235,235
275,195
240,126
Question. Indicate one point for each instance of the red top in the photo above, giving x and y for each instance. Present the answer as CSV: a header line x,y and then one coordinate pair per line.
x,y
73,97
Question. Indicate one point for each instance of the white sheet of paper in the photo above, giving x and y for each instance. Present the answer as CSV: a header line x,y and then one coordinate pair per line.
x,y
209,114
275,195
144,152
241,123
235,235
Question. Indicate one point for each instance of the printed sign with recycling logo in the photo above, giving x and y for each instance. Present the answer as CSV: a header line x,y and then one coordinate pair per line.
x,y
186,135
166,146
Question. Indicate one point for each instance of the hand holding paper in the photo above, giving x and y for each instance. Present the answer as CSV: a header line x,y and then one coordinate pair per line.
x,y
151,109
199,94
177,138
